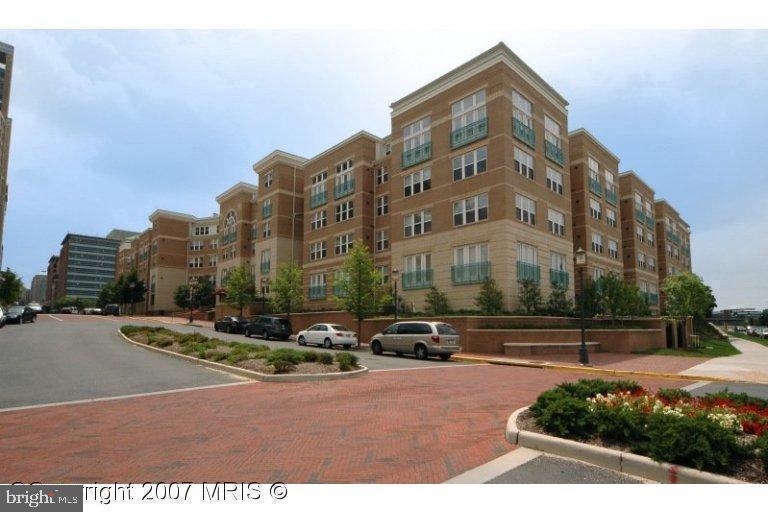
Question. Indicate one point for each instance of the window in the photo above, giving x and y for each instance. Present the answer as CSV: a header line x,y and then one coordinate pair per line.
x,y
343,243
641,260
470,210
470,264
382,176
651,263
382,240
384,271
611,217
417,134
470,254
527,254
344,177
594,169
598,273
382,205
523,163
214,243
318,220
522,109
417,182
469,110
595,209
266,209
345,211
267,230
202,230
268,178
639,233
557,261
317,281
552,132
556,222
525,209
319,183
469,164
649,239
554,181
266,261
417,262
613,249
597,243
317,251
213,261
196,245
196,262
417,223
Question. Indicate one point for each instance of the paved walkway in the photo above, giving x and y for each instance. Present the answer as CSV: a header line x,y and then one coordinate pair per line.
x,y
415,426
611,361
750,365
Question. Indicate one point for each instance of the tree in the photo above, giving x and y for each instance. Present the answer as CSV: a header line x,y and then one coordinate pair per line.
x,y
764,317
240,288
130,289
286,289
205,294
181,296
529,297
437,302
361,287
10,287
686,294
620,298
108,295
558,303
490,299
592,300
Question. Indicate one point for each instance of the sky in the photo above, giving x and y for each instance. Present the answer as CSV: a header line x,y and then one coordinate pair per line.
x,y
110,125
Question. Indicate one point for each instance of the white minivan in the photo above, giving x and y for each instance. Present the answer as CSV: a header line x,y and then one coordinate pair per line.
x,y
423,339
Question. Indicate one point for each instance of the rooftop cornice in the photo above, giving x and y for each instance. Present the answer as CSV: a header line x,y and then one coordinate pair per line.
x,y
361,133
588,134
278,157
240,186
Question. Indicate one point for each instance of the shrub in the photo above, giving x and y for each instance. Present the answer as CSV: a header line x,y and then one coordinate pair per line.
x,y
585,388
673,394
762,450
310,357
283,366
346,361
620,424
567,417
258,355
192,338
235,357
163,342
285,354
691,441
545,398
325,358
737,398
213,354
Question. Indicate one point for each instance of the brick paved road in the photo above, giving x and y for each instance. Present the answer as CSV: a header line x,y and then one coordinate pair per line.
x,y
422,425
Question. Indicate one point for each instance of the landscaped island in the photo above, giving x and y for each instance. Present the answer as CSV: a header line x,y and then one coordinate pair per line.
x,y
725,433
257,358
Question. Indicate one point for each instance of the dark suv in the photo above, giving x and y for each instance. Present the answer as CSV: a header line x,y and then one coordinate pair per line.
x,y
269,327
111,309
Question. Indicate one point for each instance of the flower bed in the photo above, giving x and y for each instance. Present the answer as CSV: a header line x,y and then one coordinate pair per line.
x,y
258,358
725,433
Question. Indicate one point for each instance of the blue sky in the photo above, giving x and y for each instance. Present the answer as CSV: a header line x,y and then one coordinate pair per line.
x,y
111,125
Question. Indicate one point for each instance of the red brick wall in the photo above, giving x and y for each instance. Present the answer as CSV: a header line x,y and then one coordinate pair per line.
x,y
491,341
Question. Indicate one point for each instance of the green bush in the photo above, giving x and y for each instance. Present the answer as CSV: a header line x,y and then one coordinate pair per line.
x,y
346,361
673,394
325,358
192,338
283,366
235,357
586,388
620,424
258,355
691,441
737,398
163,342
310,356
762,450
567,417
285,354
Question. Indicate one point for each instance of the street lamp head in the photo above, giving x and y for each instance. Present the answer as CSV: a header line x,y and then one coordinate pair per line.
x,y
580,256
395,271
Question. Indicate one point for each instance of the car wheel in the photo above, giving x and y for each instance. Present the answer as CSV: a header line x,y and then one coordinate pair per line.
x,y
216,327
421,352
302,341
376,348
247,332
399,354
327,343
266,334
445,357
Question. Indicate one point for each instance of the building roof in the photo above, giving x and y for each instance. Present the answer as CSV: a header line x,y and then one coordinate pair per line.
x,y
276,157
99,238
240,186
361,133
185,217
626,174
663,202
588,134
487,59
120,234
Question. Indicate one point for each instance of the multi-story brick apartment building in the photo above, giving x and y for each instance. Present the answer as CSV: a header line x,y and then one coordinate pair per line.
x,y
51,280
203,249
6,73
480,182
237,218
638,229
595,204
673,242
37,288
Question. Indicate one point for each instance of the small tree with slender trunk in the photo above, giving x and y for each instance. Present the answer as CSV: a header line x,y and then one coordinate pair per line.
x,y
361,288
490,299
240,288
437,302
286,289
686,295
10,287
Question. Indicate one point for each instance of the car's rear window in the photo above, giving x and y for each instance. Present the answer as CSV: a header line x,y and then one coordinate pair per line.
x,y
337,327
16,309
282,321
446,329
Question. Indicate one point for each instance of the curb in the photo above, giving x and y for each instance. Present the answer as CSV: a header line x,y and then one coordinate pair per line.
x,y
543,365
615,460
250,374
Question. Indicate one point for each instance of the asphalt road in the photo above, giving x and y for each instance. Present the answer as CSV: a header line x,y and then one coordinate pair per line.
x,y
63,358
546,469
758,390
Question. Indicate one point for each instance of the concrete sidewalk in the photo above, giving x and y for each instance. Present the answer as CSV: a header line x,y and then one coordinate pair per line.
x,y
751,365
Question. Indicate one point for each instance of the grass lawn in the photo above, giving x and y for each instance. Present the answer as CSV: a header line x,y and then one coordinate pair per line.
x,y
749,338
711,345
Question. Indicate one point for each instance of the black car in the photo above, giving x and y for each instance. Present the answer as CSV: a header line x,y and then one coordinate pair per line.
x,y
269,327
19,315
230,324
111,309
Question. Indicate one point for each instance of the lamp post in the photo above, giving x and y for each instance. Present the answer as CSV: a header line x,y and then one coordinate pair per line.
x,y
395,272
132,286
580,258
191,298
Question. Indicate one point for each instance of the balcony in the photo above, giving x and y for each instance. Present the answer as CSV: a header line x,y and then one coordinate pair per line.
x,y
651,298
266,210
344,188
611,196
650,221
559,277
471,273
417,279
639,216
265,266
528,272
317,292
595,187
228,238
523,132
338,291
673,237
554,153
318,199
417,155
470,133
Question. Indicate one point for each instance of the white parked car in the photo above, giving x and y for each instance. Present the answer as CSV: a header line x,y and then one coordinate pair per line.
x,y
327,335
